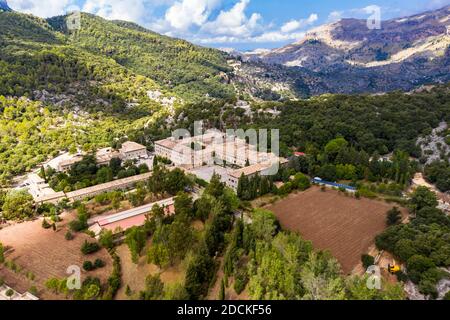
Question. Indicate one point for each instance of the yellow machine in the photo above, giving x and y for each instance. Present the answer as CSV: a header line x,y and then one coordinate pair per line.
x,y
394,268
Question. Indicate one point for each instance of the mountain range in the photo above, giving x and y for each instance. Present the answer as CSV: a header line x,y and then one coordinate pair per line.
x,y
118,63
348,57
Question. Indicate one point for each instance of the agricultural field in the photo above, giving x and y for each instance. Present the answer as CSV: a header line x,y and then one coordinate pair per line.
x,y
40,254
332,221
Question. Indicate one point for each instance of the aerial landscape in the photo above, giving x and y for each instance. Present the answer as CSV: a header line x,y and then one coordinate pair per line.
x,y
198,150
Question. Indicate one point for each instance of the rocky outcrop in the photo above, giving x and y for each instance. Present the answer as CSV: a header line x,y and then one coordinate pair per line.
x,y
348,57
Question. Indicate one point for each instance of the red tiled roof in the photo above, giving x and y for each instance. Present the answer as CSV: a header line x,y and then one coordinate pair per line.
x,y
128,223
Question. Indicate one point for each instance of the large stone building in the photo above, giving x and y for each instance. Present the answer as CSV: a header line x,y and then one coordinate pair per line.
x,y
216,148
132,151
129,151
120,184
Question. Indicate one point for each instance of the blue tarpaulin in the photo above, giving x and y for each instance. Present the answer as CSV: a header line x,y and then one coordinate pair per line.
x,y
333,184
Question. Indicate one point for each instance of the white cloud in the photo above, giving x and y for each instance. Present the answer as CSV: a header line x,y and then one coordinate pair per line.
x,y
41,8
294,25
271,36
234,22
130,10
234,26
186,13
199,21
277,36
335,16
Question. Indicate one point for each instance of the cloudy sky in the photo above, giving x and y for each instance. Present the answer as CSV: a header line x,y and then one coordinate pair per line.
x,y
241,24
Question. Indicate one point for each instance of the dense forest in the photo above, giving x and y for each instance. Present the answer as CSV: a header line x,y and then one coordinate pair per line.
x,y
119,65
176,64
423,244
365,127
260,258
380,123
438,173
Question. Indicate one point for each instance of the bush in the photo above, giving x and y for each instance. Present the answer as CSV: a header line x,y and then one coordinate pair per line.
x,y
33,290
447,296
241,281
394,216
45,224
367,260
2,253
88,266
89,247
99,263
114,281
77,225
106,239
69,236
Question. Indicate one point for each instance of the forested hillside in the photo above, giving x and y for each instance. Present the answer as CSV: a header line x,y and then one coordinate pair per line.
x,y
117,66
186,69
380,123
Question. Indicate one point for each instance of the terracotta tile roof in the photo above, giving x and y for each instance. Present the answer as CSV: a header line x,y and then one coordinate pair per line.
x,y
131,146
108,186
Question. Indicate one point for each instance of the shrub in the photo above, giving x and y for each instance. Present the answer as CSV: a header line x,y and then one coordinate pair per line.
x,y
45,224
394,216
88,266
33,290
447,296
367,260
69,236
114,281
99,263
30,275
240,281
89,247
9,292
128,291
2,253
106,239
77,225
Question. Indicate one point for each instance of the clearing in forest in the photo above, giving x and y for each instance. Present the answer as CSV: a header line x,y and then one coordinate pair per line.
x,y
345,226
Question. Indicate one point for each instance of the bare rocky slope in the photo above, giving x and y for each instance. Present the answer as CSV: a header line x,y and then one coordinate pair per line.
x,y
348,57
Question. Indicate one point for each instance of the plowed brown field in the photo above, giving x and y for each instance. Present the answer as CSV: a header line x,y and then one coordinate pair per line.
x,y
46,254
332,221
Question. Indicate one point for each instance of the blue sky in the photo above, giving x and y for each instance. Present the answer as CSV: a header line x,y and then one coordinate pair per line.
x,y
240,24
